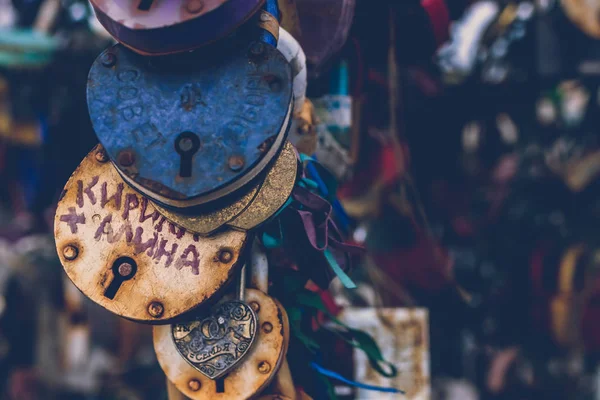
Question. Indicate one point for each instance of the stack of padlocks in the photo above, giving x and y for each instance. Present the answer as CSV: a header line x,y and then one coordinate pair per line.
x,y
192,109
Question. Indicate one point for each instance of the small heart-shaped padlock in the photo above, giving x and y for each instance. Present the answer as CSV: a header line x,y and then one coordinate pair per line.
x,y
248,378
217,343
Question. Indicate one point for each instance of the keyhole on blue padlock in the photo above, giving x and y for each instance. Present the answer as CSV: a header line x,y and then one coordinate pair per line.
x,y
186,145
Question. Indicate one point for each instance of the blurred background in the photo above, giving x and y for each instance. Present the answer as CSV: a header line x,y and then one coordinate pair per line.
x,y
464,136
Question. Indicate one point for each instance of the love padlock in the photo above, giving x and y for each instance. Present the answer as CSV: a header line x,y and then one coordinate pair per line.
x,y
583,14
250,376
299,396
253,208
189,130
124,255
158,27
216,343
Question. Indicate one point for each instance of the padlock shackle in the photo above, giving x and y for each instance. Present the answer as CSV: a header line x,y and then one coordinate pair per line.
x,y
259,271
293,53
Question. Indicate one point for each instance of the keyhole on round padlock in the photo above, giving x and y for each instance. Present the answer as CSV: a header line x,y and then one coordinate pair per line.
x,y
123,269
220,383
145,5
186,145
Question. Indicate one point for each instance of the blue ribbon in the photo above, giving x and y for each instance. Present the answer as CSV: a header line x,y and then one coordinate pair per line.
x,y
338,377
343,218
272,8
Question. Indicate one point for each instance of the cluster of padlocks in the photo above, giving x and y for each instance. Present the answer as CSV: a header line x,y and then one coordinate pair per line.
x,y
157,224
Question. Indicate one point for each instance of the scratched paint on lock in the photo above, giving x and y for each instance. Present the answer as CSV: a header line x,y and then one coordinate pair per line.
x,y
233,103
106,220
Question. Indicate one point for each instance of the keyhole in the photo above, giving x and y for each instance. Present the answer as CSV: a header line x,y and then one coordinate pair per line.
x,y
220,385
123,269
145,5
186,145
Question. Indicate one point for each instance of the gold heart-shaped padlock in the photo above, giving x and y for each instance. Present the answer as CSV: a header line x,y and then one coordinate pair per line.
x,y
124,255
251,376
255,205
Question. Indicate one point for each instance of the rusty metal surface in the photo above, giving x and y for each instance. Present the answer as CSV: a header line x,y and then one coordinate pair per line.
x,y
283,383
214,199
101,225
172,127
173,393
325,25
207,223
161,27
403,336
248,379
274,193
253,208
216,343
303,134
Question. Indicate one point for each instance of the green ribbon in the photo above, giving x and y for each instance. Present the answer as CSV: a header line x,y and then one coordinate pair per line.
x,y
354,337
344,278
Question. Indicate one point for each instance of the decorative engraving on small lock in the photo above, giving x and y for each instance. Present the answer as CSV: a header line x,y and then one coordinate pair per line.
x,y
127,257
218,342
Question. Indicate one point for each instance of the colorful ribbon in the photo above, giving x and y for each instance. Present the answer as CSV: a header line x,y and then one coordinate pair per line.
x,y
338,377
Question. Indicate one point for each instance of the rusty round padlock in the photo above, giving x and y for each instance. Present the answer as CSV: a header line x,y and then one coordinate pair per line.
x,y
254,208
191,130
584,14
125,256
251,376
153,27
298,396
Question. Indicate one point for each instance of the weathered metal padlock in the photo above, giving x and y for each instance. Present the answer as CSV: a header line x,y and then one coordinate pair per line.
x,y
190,129
253,208
215,344
584,14
124,255
160,27
248,378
